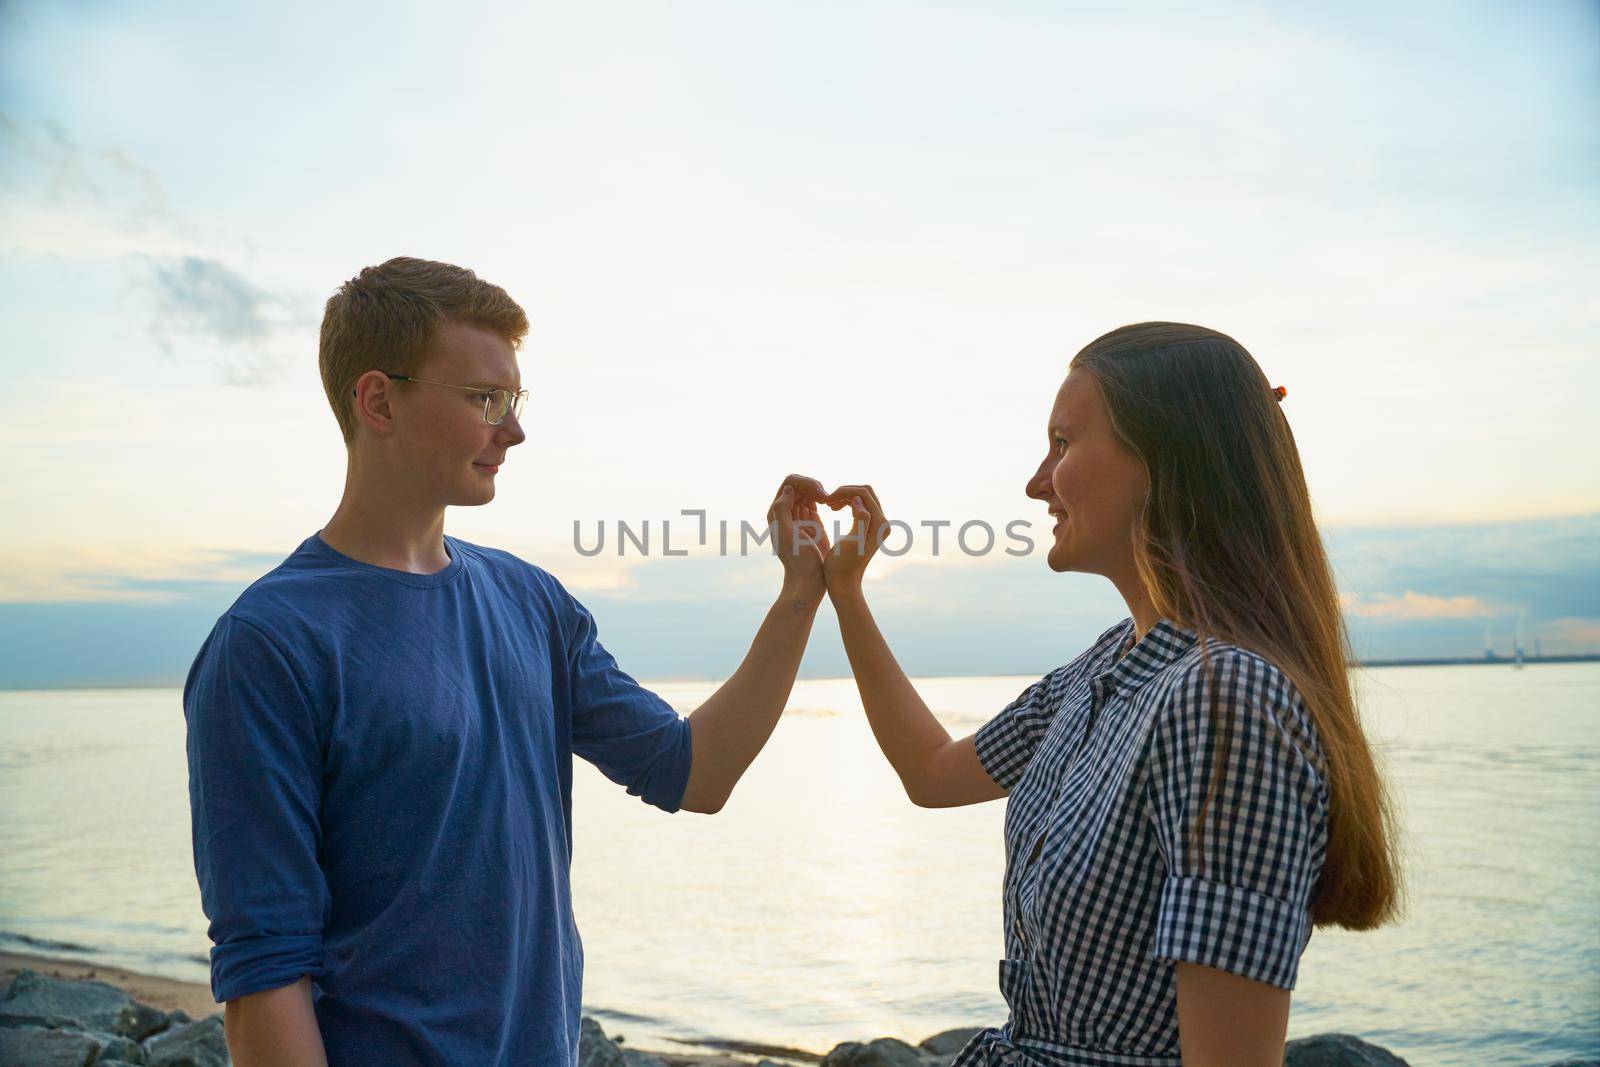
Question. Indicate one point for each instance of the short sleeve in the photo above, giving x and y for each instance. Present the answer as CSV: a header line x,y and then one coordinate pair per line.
x,y
255,793
1236,894
1006,743
633,736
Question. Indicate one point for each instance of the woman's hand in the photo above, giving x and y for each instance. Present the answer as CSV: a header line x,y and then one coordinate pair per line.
x,y
798,538
846,564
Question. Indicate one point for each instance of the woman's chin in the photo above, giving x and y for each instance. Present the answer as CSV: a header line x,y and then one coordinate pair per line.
x,y
1059,559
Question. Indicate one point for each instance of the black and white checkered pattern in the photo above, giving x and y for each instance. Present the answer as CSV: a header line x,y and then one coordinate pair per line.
x,y
1107,761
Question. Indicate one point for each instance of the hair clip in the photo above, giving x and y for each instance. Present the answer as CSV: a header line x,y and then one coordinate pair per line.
x,y
1280,392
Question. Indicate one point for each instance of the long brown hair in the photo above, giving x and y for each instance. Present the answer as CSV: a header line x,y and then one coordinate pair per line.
x,y
1227,547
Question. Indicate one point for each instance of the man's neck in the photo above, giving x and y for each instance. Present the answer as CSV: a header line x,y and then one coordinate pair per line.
x,y
379,524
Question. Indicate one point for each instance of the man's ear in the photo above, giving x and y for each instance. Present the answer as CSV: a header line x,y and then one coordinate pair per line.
x,y
374,391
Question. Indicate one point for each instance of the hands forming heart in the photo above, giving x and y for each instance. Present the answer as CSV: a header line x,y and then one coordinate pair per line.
x,y
801,542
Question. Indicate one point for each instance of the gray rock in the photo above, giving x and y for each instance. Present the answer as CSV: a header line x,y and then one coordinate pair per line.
x,y
595,1049
1337,1050
114,1048
949,1042
884,1052
200,1044
107,1048
34,999
35,1046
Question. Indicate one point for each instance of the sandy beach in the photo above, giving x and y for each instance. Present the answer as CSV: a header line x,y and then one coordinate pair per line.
x,y
168,994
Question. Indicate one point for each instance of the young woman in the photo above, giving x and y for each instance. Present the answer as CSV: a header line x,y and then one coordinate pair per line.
x,y
1192,794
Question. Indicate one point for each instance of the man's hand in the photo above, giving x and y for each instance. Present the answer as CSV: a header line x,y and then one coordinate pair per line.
x,y
845,565
728,730
798,538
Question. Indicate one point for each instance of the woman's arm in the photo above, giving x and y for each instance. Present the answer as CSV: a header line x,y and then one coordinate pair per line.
x,y
274,1028
1225,1020
936,771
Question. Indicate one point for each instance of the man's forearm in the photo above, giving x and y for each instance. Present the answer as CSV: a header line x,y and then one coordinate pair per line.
x,y
274,1028
733,724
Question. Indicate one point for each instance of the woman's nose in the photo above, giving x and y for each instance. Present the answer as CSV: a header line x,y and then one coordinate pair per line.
x,y
1038,487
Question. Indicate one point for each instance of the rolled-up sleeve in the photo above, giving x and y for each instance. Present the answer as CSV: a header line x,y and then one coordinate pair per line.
x,y
255,788
634,737
1240,877
1006,743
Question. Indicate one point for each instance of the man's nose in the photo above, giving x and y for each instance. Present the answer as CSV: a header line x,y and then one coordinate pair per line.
x,y
511,432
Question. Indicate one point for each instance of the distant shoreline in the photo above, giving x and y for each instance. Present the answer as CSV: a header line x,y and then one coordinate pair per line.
x,y
1478,661
1426,661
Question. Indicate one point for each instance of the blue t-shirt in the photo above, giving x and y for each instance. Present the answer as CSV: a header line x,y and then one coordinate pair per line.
x,y
380,778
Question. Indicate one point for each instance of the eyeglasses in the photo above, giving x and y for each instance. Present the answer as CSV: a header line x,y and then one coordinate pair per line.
x,y
496,402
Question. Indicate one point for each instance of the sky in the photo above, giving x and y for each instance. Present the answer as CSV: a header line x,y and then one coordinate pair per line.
x,y
856,241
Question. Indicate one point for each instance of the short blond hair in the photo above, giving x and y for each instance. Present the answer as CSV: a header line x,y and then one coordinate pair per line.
x,y
385,317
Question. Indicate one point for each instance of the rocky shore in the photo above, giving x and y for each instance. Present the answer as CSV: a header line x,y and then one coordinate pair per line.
x,y
48,1021
54,1022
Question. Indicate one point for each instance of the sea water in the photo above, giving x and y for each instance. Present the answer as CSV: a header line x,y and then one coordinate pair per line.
x,y
821,906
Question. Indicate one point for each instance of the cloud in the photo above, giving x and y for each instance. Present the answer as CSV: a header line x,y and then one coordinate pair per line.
x,y
1546,568
60,198
1414,605
204,299
39,161
1566,634
1422,592
1417,591
128,576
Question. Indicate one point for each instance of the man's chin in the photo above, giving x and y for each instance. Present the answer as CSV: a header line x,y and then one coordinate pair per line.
x,y
474,497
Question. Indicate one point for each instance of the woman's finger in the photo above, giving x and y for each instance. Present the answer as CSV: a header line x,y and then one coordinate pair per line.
x,y
842,496
861,522
868,526
818,529
791,529
807,490
782,508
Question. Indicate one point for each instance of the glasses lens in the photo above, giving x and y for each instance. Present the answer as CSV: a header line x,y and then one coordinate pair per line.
x,y
495,406
517,400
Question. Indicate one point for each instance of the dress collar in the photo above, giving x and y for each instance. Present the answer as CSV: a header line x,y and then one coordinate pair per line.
x,y
1159,648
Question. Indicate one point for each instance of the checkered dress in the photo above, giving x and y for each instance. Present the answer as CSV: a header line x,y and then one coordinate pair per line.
x,y
1107,761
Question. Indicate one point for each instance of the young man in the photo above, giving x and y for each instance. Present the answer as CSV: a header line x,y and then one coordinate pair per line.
x,y
381,730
